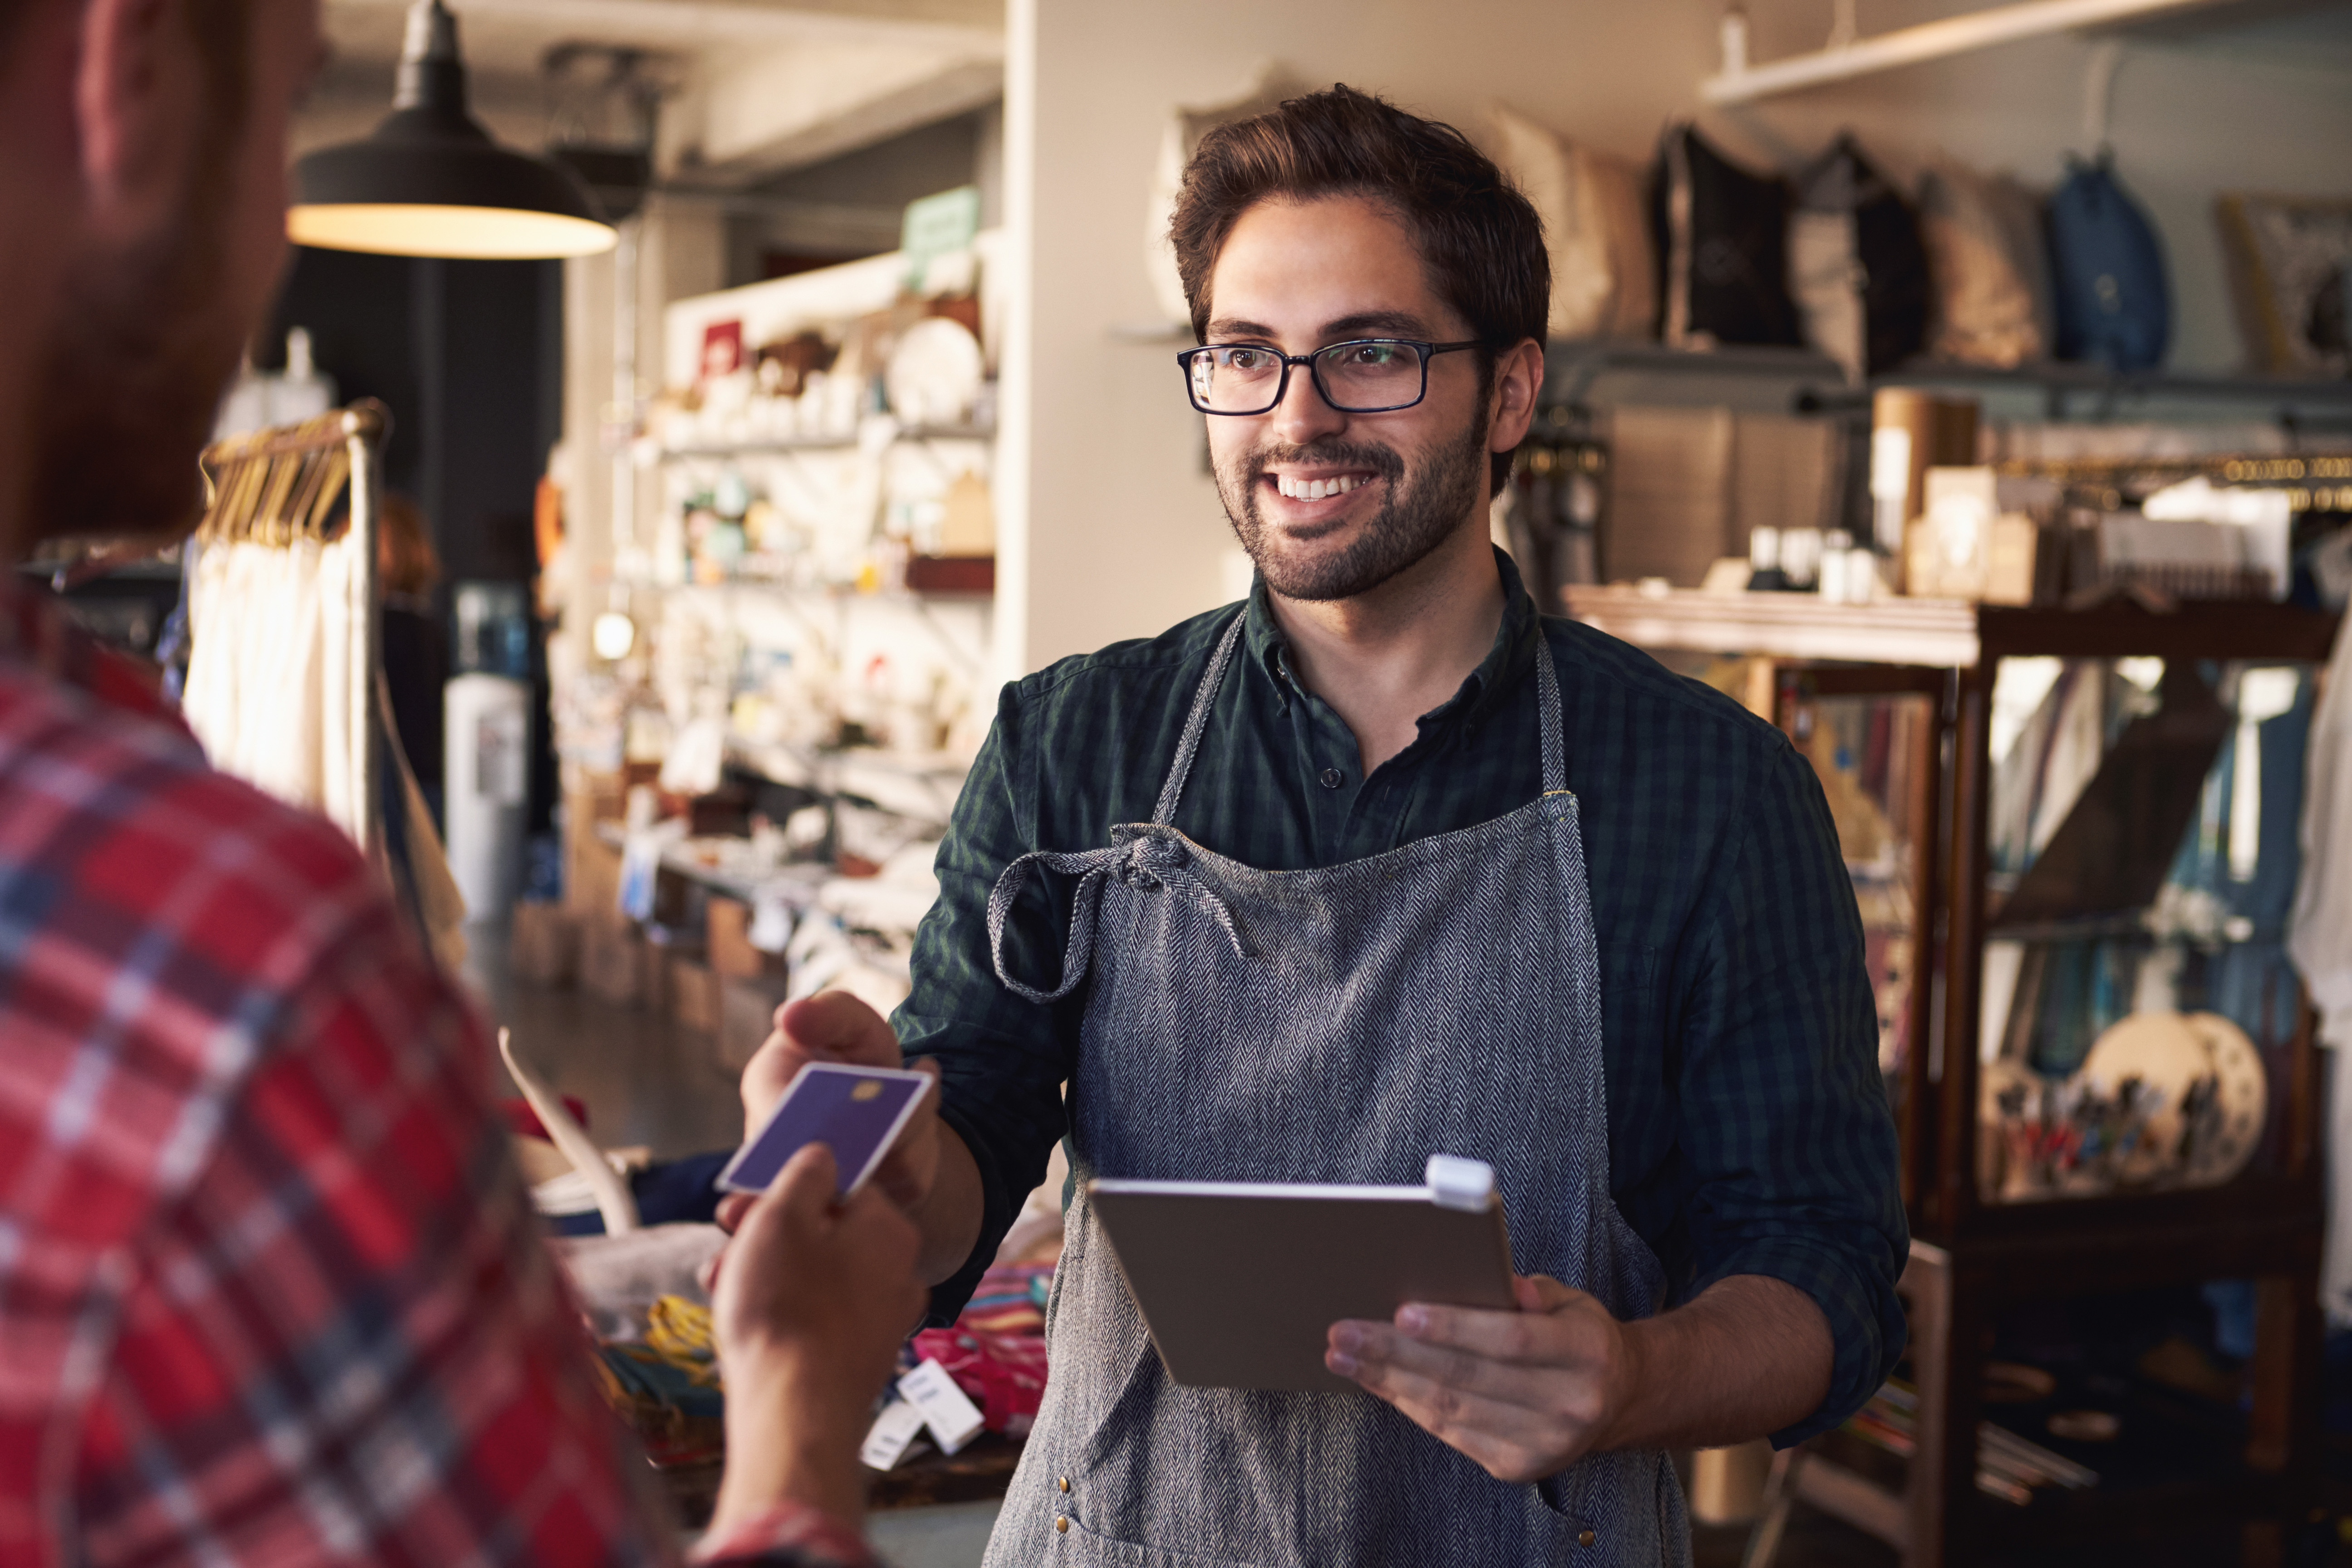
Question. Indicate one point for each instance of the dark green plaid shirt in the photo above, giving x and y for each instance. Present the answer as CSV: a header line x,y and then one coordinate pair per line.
x,y
1748,1132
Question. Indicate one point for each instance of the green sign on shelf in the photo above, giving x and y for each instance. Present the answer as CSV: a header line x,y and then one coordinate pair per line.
x,y
937,225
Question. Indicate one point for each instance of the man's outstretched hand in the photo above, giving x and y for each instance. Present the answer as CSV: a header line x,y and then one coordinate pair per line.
x,y
835,1027
928,1173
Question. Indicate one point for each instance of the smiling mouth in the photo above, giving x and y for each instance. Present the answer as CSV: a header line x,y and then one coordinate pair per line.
x,y
1321,488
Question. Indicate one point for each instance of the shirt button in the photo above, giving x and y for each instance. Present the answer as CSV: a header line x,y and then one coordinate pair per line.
x,y
1063,1482
1333,778
1061,1524
1584,1538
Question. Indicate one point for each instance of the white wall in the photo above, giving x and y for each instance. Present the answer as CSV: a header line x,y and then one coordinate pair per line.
x,y
1123,532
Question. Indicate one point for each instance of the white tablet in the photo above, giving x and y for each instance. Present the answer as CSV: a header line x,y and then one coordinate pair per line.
x,y
1240,1282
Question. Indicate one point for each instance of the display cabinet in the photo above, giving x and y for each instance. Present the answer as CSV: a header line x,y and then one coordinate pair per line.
x,y
2073,836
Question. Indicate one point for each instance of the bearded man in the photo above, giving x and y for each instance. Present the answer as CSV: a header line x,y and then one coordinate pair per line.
x,y
270,1288
1510,890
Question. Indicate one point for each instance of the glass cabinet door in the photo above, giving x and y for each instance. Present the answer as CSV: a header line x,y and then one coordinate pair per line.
x,y
2137,1007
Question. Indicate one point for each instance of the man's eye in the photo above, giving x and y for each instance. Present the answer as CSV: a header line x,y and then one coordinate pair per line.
x,y
1373,354
1245,359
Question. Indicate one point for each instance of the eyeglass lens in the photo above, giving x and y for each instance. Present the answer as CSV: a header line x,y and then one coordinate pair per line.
x,y
1355,378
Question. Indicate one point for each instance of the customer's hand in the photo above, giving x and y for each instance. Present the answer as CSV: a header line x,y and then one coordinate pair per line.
x,y
835,1027
810,1310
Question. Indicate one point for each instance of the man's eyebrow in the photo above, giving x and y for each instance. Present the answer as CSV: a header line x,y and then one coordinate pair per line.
x,y
1367,322
1362,323
1227,327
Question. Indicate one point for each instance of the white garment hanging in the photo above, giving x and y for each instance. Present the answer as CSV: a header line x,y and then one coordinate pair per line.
x,y
2319,941
278,672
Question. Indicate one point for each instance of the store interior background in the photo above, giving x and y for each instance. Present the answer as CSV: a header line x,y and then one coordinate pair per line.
x,y
794,134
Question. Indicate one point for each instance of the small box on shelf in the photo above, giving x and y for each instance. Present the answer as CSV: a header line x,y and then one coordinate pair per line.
x,y
951,575
693,992
615,964
544,946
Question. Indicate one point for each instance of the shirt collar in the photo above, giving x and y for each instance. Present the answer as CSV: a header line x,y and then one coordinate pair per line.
x,y
1511,656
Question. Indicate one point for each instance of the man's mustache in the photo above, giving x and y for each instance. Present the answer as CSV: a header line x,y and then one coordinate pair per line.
x,y
1381,460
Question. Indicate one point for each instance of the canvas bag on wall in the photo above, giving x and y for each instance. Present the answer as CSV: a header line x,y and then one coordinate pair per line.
x,y
1723,245
1857,266
2108,268
1987,262
1603,275
1180,137
2291,275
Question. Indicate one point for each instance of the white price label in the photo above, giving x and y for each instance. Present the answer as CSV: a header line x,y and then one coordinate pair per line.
x,y
893,1430
954,1419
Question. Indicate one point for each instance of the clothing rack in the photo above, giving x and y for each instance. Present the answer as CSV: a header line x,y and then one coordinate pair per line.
x,y
276,486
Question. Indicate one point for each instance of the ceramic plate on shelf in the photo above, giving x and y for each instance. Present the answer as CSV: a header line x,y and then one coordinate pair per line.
x,y
934,374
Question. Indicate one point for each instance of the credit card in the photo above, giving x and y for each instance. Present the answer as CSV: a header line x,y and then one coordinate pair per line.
x,y
855,1112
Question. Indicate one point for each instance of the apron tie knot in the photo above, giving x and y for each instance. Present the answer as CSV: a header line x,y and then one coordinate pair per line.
x,y
1156,861
1151,860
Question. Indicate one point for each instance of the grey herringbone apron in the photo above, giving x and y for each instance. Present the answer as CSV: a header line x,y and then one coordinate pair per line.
x,y
1336,1024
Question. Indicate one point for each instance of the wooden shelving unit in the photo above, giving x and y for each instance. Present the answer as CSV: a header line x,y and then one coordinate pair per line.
x,y
1972,1259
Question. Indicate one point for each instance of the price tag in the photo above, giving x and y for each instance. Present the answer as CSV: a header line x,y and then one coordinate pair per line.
x,y
954,1419
893,1430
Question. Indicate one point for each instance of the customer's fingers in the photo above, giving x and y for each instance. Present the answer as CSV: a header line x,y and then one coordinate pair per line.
x,y
804,1190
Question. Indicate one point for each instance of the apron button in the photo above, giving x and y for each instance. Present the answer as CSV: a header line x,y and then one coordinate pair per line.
x,y
1063,1482
1584,1538
1061,1524
1333,778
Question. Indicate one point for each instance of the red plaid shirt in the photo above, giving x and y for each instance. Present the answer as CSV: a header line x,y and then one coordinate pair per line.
x,y
270,1288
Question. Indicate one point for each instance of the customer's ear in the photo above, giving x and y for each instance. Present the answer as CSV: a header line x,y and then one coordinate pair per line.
x,y
138,100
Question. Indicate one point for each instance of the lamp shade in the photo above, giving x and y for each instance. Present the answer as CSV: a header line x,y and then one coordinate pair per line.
x,y
431,182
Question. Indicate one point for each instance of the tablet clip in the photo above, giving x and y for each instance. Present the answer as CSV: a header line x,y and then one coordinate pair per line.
x,y
1458,1183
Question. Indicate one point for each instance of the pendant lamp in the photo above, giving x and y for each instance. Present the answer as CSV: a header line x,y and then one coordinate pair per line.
x,y
430,181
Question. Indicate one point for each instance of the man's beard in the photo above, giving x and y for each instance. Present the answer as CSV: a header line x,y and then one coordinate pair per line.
x,y
131,379
1415,519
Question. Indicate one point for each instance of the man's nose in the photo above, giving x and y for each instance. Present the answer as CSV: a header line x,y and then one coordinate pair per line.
x,y
1302,416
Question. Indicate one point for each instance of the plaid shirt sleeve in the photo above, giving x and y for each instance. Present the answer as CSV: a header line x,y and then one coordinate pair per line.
x,y
347,1341
270,1286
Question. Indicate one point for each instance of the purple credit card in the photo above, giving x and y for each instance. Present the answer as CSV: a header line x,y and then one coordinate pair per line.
x,y
854,1111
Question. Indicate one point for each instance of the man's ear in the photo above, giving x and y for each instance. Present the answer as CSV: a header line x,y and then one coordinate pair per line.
x,y
136,89
1519,381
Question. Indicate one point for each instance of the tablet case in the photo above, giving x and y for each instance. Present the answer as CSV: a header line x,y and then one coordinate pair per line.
x,y
1239,1283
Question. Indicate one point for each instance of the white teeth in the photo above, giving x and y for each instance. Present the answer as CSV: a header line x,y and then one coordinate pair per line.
x,y
1314,490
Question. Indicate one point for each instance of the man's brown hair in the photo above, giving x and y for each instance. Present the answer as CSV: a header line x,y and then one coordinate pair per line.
x,y
1479,238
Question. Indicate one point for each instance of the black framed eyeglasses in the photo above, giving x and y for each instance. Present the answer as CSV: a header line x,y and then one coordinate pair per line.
x,y
1362,375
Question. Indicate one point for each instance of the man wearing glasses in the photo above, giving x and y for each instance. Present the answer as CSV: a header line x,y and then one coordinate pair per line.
x,y
1381,864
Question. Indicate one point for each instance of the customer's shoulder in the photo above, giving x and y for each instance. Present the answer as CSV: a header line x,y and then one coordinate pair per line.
x,y
1605,675
1136,662
114,816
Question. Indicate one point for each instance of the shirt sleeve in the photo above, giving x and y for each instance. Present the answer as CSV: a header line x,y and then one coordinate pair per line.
x,y
1002,1058
347,1341
1784,1116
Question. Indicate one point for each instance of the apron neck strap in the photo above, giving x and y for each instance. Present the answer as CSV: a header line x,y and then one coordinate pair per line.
x,y
1197,721
1555,746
